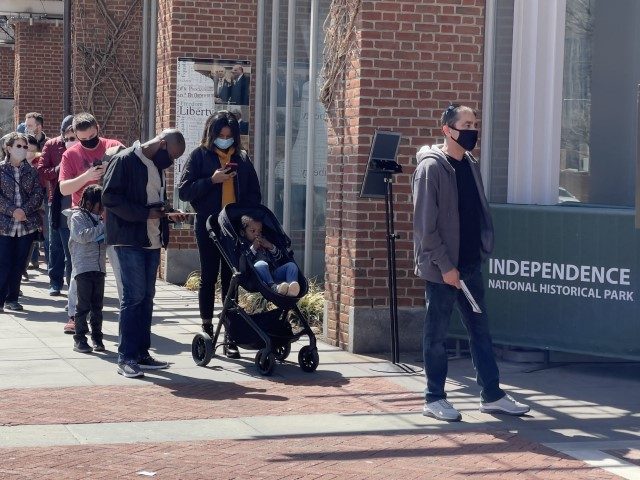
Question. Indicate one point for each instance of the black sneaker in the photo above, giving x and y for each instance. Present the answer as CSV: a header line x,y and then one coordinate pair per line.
x,y
208,329
13,306
231,351
129,369
150,363
98,346
82,346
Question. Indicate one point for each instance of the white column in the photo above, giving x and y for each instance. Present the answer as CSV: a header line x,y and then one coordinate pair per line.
x,y
536,101
311,138
288,124
258,114
273,106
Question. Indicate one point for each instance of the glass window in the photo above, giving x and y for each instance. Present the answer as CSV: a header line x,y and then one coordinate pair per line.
x,y
599,117
274,133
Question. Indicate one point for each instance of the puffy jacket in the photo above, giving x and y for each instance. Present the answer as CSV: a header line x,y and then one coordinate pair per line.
x,y
31,194
86,242
204,196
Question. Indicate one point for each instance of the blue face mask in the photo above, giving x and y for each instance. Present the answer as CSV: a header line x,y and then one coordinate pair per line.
x,y
223,143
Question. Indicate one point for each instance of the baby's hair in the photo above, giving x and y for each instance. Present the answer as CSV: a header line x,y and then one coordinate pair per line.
x,y
91,196
245,220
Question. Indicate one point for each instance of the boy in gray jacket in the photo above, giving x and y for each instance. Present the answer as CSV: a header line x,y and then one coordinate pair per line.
x,y
88,255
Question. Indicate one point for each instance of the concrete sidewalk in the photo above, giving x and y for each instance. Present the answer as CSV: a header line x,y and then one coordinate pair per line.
x,y
69,415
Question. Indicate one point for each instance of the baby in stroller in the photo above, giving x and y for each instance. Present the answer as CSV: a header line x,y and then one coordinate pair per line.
x,y
267,258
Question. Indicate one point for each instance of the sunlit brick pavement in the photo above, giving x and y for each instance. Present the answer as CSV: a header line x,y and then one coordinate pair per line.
x,y
65,415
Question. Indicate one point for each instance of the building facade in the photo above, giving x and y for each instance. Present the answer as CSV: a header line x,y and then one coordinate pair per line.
x,y
559,155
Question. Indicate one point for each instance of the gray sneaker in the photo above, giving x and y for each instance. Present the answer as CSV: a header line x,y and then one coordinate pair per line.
x,y
13,306
441,410
130,370
506,404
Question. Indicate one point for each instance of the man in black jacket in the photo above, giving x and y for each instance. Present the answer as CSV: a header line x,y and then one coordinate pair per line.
x,y
137,225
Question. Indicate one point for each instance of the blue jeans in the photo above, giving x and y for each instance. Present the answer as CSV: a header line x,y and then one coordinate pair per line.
x,y
59,266
440,300
13,257
285,273
138,289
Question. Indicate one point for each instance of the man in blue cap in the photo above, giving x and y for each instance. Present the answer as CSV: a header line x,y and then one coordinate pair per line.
x,y
59,258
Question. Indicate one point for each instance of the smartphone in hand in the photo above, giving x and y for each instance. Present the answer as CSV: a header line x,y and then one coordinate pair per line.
x,y
232,167
97,162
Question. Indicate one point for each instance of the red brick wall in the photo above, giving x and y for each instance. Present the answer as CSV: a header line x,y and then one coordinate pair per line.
x,y
7,72
413,58
199,29
92,35
38,67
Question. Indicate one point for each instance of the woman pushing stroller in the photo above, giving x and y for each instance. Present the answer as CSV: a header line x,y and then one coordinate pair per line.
x,y
217,173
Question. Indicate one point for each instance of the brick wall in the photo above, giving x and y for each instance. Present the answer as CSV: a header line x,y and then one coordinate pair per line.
x,y
199,29
413,58
116,92
38,67
7,72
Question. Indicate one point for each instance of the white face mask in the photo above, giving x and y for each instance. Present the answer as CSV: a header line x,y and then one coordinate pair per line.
x,y
18,154
68,145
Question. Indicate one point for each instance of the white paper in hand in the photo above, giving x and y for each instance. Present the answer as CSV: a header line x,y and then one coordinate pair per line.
x,y
472,301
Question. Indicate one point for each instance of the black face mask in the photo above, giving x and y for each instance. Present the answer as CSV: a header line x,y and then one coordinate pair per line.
x,y
91,143
162,159
467,139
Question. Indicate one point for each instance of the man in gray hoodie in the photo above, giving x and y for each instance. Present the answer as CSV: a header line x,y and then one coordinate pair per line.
x,y
453,234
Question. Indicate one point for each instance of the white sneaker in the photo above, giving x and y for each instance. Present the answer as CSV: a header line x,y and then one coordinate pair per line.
x,y
281,288
294,289
441,410
506,404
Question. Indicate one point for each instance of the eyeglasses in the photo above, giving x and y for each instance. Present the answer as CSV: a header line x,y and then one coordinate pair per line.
x,y
21,146
70,139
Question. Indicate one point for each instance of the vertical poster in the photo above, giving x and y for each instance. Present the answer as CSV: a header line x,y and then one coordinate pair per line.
x,y
204,87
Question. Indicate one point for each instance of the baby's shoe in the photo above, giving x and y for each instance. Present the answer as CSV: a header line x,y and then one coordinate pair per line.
x,y
294,289
281,288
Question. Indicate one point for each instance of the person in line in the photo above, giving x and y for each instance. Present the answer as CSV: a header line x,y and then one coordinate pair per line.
x,y
88,253
137,226
34,125
281,277
453,234
59,265
20,199
218,172
82,165
42,238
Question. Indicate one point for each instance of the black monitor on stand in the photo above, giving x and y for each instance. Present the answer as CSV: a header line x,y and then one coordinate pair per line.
x,y
378,183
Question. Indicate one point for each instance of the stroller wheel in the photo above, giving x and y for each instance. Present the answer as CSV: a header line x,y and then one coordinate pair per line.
x,y
282,352
265,361
202,349
308,359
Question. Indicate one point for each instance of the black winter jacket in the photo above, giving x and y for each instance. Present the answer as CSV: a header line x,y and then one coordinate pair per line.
x,y
124,197
206,197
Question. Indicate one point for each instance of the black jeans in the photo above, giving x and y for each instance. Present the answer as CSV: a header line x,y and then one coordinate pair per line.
x,y
210,260
440,301
13,257
90,300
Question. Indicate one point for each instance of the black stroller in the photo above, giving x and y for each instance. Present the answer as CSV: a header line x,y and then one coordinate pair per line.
x,y
268,332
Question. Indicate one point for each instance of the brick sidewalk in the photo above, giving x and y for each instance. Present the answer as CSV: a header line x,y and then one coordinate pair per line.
x,y
414,456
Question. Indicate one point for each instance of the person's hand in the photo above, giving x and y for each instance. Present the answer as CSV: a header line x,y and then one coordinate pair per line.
x,y
257,244
155,213
19,215
94,173
177,216
452,277
266,243
222,175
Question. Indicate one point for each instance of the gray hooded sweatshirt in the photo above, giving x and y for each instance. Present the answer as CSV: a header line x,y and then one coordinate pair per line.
x,y
436,224
86,242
